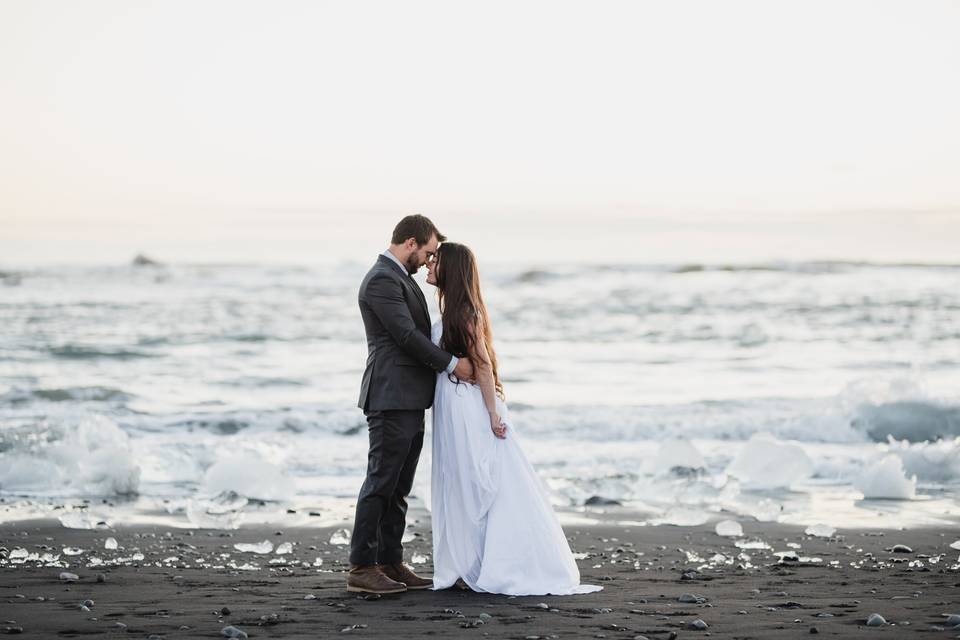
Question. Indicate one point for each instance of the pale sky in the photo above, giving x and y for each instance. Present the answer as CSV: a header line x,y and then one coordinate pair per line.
x,y
298,130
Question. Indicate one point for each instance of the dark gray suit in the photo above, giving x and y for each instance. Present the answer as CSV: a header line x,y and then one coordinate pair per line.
x,y
398,384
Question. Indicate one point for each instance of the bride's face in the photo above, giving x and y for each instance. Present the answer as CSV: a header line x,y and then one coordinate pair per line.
x,y
432,269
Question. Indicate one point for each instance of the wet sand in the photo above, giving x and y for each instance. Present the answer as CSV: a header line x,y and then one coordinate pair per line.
x,y
657,582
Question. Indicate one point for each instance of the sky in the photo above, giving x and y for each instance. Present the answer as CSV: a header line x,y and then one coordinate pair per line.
x,y
542,130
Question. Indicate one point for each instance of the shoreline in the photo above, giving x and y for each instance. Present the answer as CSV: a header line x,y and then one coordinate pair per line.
x,y
182,583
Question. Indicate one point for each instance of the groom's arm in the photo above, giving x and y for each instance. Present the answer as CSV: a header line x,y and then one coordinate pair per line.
x,y
385,297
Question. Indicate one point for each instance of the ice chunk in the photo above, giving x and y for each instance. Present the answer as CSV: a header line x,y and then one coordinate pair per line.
x,y
222,511
751,544
885,479
682,517
256,547
340,536
248,475
110,543
955,545
820,530
284,548
729,528
72,551
79,520
677,454
418,558
765,463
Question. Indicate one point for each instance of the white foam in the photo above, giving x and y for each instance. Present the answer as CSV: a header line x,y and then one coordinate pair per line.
x,y
85,455
765,463
885,478
930,461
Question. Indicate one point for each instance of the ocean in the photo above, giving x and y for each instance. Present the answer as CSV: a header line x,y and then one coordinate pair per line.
x,y
220,394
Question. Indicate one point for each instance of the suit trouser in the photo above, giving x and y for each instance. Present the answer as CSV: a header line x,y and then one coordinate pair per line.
x,y
396,437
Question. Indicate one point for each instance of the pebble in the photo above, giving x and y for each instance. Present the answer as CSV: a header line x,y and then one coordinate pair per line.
x,y
876,620
814,630
692,598
87,603
101,577
231,631
697,624
225,611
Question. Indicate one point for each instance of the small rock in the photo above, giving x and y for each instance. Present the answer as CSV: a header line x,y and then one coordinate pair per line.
x,y
698,625
691,598
87,603
814,630
953,620
225,611
66,576
269,620
13,630
231,631
876,620
596,501
101,577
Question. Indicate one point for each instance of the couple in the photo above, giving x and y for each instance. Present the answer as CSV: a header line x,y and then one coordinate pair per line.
x,y
493,527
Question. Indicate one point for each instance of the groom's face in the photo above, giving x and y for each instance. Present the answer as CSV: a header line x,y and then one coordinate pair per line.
x,y
421,253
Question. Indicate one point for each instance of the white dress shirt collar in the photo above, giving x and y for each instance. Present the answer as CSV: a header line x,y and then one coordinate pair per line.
x,y
394,258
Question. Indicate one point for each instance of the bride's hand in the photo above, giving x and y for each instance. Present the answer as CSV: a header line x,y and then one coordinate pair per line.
x,y
498,426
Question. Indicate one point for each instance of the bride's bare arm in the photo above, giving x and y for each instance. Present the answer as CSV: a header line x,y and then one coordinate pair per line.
x,y
483,370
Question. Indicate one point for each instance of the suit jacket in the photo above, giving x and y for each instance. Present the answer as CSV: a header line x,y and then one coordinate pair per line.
x,y
401,359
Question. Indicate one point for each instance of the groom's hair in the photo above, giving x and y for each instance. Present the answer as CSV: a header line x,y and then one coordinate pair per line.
x,y
417,227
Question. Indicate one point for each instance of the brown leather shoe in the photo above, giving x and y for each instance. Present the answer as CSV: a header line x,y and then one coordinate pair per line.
x,y
402,573
371,579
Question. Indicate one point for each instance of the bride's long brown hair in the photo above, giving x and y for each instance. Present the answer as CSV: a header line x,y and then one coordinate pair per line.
x,y
461,304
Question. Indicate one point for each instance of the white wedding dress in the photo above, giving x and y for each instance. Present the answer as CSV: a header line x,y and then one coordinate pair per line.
x,y
493,524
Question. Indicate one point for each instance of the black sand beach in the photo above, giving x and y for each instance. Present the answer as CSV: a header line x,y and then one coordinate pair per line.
x,y
658,582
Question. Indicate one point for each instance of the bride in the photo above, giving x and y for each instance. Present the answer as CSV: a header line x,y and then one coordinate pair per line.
x,y
493,527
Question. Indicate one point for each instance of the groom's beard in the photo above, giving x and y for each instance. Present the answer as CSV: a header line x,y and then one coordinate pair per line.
x,y
413,265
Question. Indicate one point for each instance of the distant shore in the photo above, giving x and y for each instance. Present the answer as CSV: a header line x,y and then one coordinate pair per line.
x,y
658,581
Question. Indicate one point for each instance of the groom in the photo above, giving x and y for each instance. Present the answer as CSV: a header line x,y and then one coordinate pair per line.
x,y
398,384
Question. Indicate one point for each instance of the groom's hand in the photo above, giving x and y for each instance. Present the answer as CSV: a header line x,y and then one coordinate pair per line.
x,y
464,370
